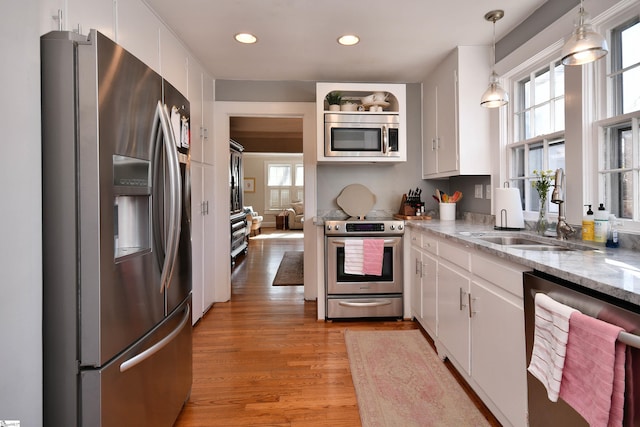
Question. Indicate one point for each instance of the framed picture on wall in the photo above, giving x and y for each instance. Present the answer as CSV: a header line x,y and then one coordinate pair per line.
x,y
250,185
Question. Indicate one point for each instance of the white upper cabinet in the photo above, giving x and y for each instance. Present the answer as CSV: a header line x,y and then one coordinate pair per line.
x,y
138,32
208,98
173,60
455,137
360,110
195,101
86,15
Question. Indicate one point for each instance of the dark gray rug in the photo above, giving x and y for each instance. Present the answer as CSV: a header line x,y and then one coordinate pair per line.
x,y
291,270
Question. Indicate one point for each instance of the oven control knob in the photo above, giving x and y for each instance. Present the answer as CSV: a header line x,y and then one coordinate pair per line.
x,y
400,227
392,227
328,228
337,227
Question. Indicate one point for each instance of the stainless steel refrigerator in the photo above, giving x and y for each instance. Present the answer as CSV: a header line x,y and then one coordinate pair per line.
x,y
116,237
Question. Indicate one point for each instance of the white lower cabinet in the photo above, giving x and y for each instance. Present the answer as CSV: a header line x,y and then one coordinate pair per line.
x,y
471,304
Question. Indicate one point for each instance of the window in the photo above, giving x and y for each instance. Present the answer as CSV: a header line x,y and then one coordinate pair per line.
x,y
624,79
619,143
538,130
285,184
540,103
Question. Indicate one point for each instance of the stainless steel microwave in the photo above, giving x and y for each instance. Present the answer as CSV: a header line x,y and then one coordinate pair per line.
x,y
361,135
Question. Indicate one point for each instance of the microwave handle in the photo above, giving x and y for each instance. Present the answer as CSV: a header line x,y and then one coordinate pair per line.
x,y
385,140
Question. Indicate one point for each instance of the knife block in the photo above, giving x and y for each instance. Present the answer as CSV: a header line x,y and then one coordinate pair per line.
x,y
406,208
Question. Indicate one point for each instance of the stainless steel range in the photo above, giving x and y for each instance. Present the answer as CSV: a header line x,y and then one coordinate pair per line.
x,y
352,294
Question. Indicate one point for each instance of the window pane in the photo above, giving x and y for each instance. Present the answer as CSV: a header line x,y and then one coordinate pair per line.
x,y
542,88
535,158
299,176
556,155
274,198
630,42
558,75
559,114
526,94
517,162
631,90
279,175
618,149
619,193
285,197
527,125
542,120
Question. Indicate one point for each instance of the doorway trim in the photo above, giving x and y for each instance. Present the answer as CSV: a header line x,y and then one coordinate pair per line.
x,y
223,111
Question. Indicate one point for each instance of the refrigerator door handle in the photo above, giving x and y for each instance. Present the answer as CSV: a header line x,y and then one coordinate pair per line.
x,y
174,196
141,357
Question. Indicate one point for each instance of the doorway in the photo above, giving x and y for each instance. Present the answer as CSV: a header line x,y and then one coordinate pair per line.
x,y
224,111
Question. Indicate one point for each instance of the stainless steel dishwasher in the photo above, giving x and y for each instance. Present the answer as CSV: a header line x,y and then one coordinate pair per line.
x,y
543,412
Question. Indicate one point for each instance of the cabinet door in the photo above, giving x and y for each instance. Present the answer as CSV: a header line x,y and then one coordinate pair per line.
x,y
138,30
430,131
197,227
416,284
429,294
208,96
195,101
86,15
453,314
498,350
447,140
208,239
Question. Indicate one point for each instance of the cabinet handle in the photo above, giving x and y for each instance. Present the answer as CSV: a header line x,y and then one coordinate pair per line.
x,y
462,299
438,144
470,311
421,270
433,144
417,267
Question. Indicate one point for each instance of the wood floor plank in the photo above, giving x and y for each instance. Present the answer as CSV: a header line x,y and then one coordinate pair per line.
x,y
263,359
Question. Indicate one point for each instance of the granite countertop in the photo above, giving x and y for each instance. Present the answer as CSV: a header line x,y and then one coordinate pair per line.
x,y
615,272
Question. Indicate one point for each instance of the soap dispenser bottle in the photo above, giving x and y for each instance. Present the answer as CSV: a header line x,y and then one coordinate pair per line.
x,y
612,239
588,225
601,224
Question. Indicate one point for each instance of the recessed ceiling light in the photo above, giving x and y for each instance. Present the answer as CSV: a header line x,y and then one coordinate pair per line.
x,y
246,38
349,40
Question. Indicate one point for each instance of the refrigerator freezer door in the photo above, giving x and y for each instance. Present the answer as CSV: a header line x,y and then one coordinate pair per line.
x,y
119,293
140,390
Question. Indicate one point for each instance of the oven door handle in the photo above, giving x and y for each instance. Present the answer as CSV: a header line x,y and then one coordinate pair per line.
x,y
376,303
341,242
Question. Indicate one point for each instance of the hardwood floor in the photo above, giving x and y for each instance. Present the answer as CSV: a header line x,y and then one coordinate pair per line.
x,y
263,359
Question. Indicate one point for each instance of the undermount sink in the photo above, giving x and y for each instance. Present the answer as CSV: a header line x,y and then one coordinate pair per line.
x,y
530,244
510,240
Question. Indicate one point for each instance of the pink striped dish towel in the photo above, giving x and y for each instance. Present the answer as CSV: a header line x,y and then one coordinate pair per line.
x,y
549,343
594,370
373,250
353,256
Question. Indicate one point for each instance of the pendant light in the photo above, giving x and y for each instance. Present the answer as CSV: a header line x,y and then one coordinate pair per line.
x,y
584,45
495,96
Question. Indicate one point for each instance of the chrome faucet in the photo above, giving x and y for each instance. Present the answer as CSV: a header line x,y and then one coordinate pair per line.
x,y
557,196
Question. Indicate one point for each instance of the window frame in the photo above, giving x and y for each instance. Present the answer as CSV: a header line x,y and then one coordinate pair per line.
x,y
296,192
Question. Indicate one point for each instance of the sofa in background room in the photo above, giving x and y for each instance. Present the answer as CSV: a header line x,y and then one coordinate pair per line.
x,y
296,216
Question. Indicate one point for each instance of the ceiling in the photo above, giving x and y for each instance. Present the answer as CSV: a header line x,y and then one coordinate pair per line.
x,y
267,134
401,41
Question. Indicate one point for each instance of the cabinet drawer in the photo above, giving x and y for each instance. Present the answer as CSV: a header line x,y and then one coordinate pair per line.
x,y
416,239
454,254
504,274
430,244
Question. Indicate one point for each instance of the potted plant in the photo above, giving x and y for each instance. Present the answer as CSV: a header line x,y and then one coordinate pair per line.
x,y
334,99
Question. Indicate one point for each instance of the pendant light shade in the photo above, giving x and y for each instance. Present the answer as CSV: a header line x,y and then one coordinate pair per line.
x,y
583,45
495,96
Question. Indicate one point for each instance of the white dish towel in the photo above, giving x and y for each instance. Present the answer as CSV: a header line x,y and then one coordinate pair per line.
x,y
353,256
551,332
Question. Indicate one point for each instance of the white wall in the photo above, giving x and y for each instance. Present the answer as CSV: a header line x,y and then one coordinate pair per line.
x,y
20,217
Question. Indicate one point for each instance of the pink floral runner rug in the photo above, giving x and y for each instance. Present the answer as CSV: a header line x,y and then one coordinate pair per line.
x,y
400,381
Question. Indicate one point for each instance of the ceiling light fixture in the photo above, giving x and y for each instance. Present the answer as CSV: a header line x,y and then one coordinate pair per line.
x,y
583,45
349,40
494,96
245,38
